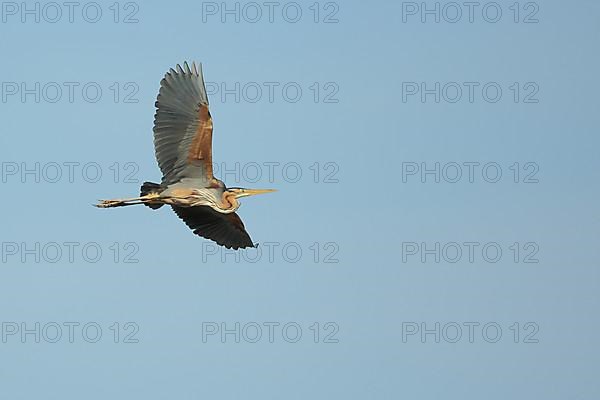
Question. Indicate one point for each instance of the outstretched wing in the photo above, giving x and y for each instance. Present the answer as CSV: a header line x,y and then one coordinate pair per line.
x,y
225,229
183,127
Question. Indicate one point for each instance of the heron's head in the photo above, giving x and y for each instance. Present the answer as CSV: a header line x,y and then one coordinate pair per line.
x,y
242,192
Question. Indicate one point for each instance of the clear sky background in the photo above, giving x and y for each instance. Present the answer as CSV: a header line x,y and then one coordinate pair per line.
x,y
346,298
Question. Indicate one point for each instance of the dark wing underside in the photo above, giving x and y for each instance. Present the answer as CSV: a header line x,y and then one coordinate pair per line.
x,y
225,229
183,127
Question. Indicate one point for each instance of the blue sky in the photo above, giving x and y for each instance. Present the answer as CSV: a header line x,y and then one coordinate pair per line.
x,y
435,227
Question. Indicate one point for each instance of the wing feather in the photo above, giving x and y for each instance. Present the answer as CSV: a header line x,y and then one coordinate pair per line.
x,y
183,126
225,229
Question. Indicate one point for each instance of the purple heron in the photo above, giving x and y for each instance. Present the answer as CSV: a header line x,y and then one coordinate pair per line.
x,y
183,145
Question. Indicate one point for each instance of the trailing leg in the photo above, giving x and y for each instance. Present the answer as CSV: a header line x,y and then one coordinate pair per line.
x,y
128,202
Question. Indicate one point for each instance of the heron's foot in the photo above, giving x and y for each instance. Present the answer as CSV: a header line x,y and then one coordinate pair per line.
x,y
108,203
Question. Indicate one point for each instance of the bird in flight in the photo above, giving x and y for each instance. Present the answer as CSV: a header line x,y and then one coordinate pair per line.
x,y
183,145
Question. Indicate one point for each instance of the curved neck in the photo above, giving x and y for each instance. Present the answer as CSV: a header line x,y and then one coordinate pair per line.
x,y
229,203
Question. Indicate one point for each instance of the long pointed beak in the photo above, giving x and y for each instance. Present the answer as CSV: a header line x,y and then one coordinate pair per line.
x,y
252,192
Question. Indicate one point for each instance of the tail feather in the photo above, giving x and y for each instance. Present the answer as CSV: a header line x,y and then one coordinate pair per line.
x,y
150,187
